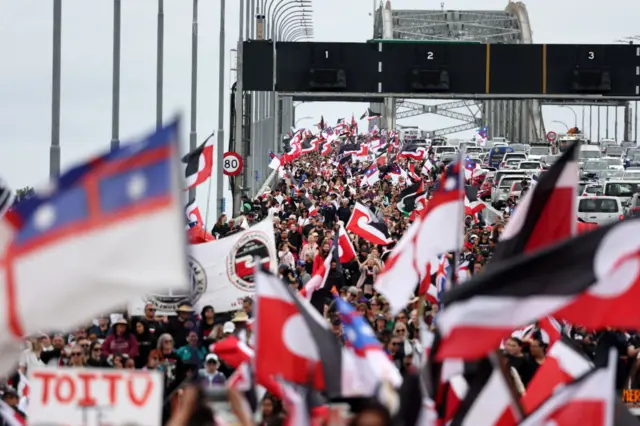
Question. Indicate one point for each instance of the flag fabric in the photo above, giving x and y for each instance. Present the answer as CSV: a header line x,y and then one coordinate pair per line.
x,y
363,222
433,234
409,198
546,213
589,280
563,364
7,197
589,400
101,211
371,175
374,366
318,278
370,115
345,248
413,152
11,417
193,212
470,167
488,400
232,351
292,340
199,164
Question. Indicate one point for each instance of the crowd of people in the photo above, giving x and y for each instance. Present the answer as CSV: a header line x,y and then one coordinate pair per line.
x,y
310,200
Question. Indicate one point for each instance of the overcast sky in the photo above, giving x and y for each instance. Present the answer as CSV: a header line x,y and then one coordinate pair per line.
x,y
26,51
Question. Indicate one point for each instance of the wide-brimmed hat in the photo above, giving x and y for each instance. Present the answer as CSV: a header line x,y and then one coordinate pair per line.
x,y
121,321
185,307
240,316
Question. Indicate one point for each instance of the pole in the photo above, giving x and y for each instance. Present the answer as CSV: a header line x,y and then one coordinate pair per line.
x,y
54,150
221,97
598,123
635,124
160,64
193,134
115,93
606,127
582,127
240,181
590,122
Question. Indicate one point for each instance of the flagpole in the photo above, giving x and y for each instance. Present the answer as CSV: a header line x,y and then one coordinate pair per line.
x,y
206,214
497,359
456,254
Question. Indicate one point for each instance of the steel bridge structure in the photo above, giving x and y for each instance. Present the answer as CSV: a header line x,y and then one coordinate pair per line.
x,y
517,120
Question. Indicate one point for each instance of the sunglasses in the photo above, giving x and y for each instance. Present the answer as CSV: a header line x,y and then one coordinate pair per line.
x,y
151,309
97,348
76,353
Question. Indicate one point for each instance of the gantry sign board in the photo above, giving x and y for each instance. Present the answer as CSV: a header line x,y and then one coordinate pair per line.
x,y
429,69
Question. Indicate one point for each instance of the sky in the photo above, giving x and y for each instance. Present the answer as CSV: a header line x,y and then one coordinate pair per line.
x,y
26,53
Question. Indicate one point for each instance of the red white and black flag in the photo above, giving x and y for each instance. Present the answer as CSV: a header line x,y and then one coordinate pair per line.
x,y
6,197
592,280
199,164
546,214
370,115
365,224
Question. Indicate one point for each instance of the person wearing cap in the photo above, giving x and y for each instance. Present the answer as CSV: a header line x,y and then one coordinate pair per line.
x,y
303,275
120,341
228,329
210,374
180,325
12,399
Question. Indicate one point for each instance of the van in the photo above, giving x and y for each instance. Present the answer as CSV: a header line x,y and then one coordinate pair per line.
x,y
588,152
600,209
439,150
513,156
623,189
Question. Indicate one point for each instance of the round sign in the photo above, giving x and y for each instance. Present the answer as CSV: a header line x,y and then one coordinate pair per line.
x,y
231,163
551,136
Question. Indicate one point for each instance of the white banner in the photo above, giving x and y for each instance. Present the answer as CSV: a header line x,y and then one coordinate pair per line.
x,y
221,272
85,396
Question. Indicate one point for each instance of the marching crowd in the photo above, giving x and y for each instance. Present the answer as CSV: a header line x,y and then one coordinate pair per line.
x,y
311,200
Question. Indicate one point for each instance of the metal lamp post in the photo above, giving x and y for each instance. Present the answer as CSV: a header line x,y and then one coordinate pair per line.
x,y
298,35
54,150
115,90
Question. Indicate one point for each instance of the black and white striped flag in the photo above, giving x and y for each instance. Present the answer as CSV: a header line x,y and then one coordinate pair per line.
x,y
7,197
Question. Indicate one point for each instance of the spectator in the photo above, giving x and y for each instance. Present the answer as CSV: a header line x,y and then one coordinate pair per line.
x,y
210,373
180,325
120,341
192,353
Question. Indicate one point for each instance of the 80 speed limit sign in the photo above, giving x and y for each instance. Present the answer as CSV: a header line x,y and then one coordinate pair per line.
x,y
231,164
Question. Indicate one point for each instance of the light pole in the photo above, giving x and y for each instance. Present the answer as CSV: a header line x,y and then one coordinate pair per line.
x,y
54,150
115,90
300,119
575,115
296,29
193,135
298,35
563,123
160,64
295,20
221,98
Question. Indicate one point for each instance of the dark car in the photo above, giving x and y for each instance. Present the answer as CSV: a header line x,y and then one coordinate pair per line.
x,y
592,168
633,161
629,154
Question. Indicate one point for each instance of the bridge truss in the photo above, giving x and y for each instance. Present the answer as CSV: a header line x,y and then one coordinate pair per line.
x,y
517,120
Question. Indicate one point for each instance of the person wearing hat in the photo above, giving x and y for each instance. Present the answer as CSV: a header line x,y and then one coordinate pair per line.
x,y
210,374
180,325
120,341
228,329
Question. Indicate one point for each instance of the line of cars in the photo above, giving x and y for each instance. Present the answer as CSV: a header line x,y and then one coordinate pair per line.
x,y
609,187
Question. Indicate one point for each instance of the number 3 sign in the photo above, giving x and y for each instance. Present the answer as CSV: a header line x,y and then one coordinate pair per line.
x,y
231,164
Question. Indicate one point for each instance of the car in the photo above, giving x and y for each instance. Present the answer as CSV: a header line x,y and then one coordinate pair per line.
x,y
632,208
513,155
474,150
591,169
548,160
600,209
520,147
589,152
614,163
511,164
500,193
628,155
591,189
530,166
633,161
613,151
536,153
605,143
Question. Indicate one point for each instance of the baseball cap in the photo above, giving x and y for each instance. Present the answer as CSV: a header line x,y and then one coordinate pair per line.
x,y
211,357
353,290
228,327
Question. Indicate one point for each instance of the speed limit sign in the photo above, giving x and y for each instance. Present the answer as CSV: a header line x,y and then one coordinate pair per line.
x,y
231,164
552,136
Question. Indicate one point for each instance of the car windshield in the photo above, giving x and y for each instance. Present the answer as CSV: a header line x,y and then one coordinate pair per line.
x,y
598,205
622,189
474,150
518,147
509,181
614,150
631,152
636,156
595,165
529,166
539,150
593,189
590,154
612,161
550,159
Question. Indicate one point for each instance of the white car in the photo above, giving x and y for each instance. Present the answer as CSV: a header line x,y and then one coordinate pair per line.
x,y
530,166
614,163
536,153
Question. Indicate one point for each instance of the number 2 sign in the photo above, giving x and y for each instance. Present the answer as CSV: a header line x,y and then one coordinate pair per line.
x,y
231,163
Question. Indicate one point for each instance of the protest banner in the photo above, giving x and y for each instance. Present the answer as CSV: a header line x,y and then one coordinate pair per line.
x,y
221,272
85,396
